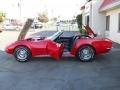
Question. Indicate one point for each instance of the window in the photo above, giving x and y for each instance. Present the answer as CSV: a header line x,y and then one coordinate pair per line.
x,y
107,23
119,22
87,20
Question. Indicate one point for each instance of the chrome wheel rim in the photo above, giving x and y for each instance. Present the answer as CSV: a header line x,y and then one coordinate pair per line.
x,y
86,54
21,54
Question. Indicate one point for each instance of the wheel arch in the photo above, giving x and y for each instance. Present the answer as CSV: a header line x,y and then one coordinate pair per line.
x,y
85,45
23,46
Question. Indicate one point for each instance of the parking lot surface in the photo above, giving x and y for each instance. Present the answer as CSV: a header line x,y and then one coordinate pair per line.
x,y
45,73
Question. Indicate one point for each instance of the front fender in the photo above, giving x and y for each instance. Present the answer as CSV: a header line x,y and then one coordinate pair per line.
x,y
10,48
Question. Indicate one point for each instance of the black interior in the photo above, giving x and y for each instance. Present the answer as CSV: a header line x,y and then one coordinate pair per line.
x,y
67,41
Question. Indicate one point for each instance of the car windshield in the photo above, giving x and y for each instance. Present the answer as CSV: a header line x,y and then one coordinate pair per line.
x,y
55,35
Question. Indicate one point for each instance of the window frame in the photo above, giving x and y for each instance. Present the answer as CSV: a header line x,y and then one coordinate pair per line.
x,y
87,20
119,22
107,22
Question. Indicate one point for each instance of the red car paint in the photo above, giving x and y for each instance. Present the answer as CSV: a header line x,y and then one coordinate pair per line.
x,y
41,47
89,30
47,46
55,49
99,45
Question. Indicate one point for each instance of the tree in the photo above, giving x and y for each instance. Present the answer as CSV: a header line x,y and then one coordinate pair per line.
x,y
2,17
43,17
79,20
54,19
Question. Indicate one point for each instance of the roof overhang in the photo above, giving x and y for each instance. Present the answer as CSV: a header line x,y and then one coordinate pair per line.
x,y
110,6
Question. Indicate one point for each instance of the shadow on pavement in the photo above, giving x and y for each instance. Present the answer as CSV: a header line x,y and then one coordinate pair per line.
x,y
50,59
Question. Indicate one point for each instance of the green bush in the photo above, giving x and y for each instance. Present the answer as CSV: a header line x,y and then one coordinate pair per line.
x,y
82,31
79,20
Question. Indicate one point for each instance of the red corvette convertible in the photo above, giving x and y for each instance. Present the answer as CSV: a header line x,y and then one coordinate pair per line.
x,y
84,47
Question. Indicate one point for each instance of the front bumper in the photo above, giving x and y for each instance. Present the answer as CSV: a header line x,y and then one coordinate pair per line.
x,y
9,50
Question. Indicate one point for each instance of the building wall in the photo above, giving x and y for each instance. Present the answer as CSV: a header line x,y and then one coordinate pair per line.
x,y
97,20
113,32
85,13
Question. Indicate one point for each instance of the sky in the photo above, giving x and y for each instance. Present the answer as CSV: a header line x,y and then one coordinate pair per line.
x,y
31,8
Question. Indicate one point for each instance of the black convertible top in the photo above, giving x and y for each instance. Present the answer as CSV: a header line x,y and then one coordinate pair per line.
x,y
49,33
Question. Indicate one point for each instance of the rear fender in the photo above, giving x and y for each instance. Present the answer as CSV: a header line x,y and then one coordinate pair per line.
x,y
79,44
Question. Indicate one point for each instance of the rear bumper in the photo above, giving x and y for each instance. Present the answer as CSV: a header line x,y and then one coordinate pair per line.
x,y
104,50
108,49
107,45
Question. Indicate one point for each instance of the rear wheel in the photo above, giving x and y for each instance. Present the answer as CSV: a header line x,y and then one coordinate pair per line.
x,y
85,53
22,54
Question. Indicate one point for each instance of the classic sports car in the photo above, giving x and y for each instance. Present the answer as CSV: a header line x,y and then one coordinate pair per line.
x,y
83,46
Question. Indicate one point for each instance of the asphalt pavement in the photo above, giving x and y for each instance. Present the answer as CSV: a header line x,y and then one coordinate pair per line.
x,y
45,73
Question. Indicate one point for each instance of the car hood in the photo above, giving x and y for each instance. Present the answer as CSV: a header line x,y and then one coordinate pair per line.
x,y
25,29
89,30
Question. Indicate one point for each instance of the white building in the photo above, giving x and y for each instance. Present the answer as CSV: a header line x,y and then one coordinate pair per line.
x,y
103,16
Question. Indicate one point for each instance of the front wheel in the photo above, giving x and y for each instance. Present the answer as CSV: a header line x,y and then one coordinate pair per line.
x,y
22,54
85,53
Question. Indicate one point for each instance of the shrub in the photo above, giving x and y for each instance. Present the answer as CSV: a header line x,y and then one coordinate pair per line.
x,y
79,20
82,31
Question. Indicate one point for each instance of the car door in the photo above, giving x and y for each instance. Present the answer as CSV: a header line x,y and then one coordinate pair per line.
x,y
55,49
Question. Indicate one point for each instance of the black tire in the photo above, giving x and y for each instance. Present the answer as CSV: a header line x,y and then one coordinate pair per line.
x,y
22,54
85,53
